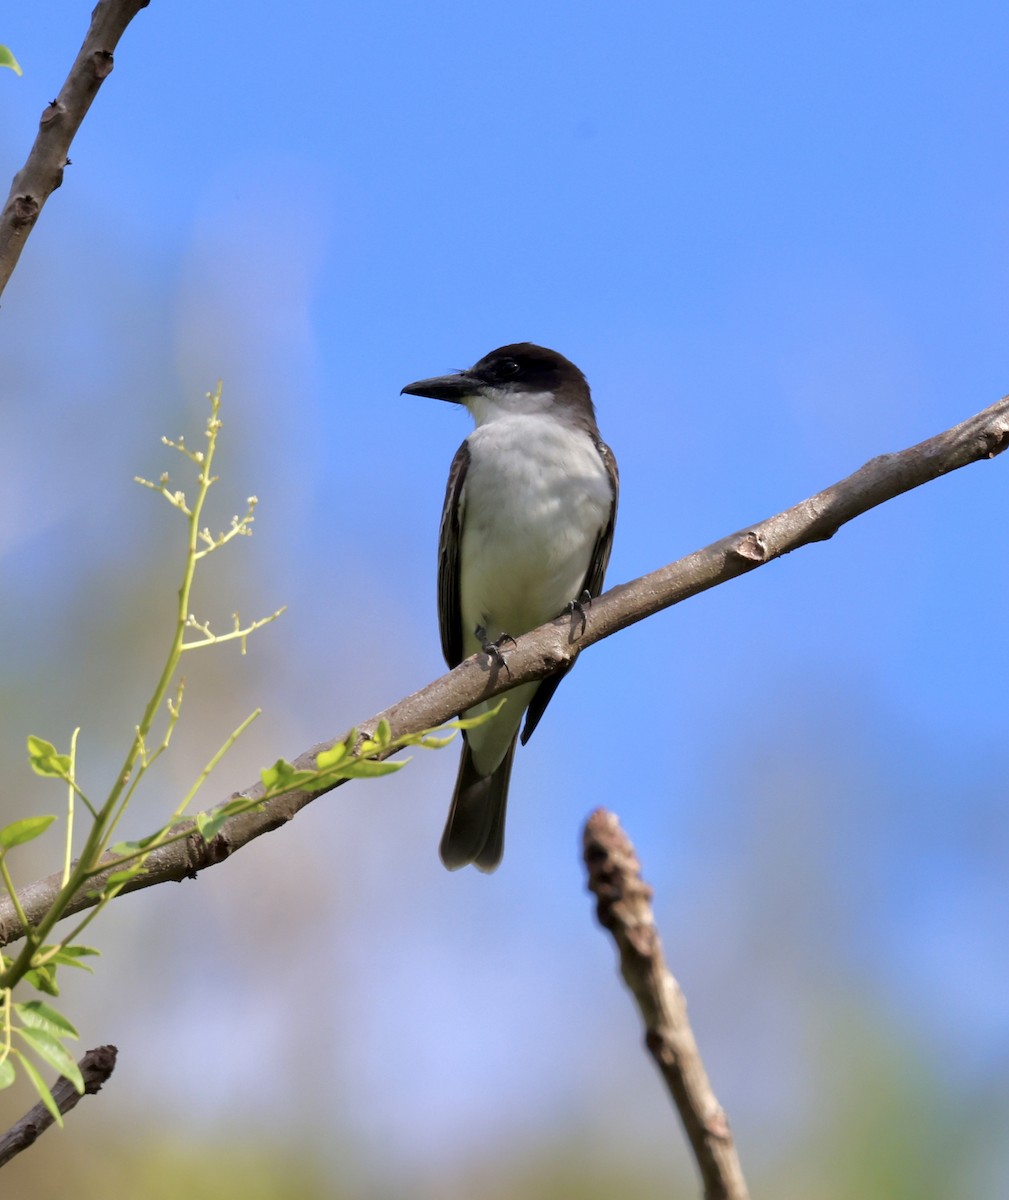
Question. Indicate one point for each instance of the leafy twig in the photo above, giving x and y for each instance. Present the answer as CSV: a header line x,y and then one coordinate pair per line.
x,y
37,962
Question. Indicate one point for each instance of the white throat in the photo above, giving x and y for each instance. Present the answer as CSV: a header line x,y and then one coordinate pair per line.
x,y
494,403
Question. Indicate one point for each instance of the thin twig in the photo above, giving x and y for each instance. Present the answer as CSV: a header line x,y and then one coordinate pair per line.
x,y
555,646
96,1066
625,909
42,173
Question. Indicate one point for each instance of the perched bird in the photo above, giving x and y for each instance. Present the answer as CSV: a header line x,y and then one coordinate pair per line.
x,y
526,533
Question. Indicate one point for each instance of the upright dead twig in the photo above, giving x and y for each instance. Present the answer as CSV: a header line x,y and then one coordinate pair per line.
x,y
625,908
96,1066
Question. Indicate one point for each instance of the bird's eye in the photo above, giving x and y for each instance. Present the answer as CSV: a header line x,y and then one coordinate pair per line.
x,y
507,368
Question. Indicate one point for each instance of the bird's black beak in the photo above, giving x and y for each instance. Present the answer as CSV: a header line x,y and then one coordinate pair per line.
x,y
454,388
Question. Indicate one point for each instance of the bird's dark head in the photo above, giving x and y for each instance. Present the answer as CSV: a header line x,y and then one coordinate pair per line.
x,y
520,378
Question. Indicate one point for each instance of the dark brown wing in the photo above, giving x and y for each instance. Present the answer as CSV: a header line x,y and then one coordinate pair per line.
x,y
604,543
449,541
593,585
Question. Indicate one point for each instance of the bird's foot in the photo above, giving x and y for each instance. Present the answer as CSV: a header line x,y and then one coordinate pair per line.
x,y
493,649
581,607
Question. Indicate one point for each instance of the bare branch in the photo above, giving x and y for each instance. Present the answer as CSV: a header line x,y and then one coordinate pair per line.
x,y
42,173
96,1066
625,909
552,647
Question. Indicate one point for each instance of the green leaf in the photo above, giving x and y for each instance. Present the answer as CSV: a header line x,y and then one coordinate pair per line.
x,y
72,952
39,1015
210,823
480,718
124,876
44,759
326,759
8,60
45,1095
431,741
69,956
43,979
278,782
364,768
7,1073
383,734
240,804
142,844
51,1050
24,830
278,777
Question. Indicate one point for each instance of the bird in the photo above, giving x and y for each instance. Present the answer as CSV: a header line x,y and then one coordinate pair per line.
x,y
526,533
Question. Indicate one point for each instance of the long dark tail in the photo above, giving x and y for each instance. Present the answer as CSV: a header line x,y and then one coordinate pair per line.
x,y
474,832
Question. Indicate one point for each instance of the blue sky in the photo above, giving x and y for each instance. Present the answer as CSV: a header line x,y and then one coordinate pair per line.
x,y
774,238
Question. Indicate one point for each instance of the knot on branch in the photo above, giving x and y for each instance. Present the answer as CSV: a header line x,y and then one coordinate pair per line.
x,y
53,111
555,660
102,63
752,548
996,439
24,210
716,1124
659,1046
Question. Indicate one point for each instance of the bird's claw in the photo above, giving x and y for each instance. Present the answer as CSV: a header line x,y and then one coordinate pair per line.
x,y
581,607
493,649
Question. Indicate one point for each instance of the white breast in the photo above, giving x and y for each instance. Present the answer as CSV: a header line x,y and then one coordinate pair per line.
x,y
535,499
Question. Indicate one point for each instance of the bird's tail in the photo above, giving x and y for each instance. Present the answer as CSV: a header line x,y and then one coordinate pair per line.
x,y
474,832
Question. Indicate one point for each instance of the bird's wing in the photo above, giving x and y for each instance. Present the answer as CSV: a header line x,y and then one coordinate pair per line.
x,y
593,585
604,543
449,542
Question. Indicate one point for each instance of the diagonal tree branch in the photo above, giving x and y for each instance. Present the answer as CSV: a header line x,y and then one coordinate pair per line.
x,y
554,646
624,908
96,1066
42,173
